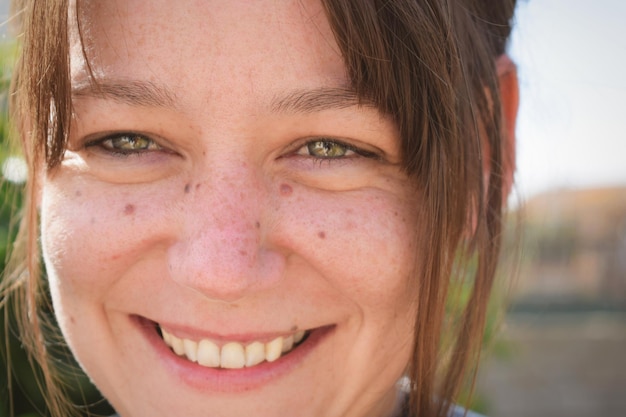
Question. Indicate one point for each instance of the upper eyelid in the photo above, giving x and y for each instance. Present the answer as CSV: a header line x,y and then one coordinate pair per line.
x,y
361,150
97,138
95,143
356,148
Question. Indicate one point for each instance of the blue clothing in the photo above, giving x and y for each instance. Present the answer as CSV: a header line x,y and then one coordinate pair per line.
x,y
460,412
402,399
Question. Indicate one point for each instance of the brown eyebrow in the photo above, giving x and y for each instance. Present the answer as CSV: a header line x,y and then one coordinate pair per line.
x,y
148,94
319,99
134,93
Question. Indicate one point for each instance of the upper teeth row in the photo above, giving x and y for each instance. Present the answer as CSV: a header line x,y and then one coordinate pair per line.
x,y
232,355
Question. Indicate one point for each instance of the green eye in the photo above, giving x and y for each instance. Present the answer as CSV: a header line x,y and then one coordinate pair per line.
x,y
327,149
129,143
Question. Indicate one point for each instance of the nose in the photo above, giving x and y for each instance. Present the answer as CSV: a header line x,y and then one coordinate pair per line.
x,y
222,249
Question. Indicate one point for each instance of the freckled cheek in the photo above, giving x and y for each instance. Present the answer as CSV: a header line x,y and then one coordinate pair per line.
x,y
362,243
89,239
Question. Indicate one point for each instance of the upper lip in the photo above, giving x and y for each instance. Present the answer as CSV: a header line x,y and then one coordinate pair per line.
x,y
193,333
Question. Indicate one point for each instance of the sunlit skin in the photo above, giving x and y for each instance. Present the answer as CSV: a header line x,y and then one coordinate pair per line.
x,y
218,200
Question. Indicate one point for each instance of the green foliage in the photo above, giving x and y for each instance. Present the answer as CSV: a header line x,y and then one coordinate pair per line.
x,y
19,392
493,345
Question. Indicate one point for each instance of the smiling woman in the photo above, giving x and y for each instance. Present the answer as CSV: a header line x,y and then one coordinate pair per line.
x,y
279,190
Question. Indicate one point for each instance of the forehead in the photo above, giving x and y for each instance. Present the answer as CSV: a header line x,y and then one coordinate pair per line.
x,y
225,46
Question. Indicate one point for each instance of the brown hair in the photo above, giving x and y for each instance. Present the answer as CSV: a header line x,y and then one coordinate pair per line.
x,y
429,64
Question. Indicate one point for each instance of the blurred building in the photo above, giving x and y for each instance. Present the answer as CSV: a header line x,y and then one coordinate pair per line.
x,y
574,249
565,334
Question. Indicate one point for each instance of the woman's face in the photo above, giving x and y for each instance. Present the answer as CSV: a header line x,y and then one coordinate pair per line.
x,y
223,188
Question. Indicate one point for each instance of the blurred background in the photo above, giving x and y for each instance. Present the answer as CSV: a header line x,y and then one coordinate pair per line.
x,y
560,347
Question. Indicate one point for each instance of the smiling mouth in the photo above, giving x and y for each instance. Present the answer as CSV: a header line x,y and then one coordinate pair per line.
x,y
232,355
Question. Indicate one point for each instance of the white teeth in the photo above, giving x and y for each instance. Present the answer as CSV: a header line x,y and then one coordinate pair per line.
x,y
274,349
177,345
232,355
208,354
287,344
298,336
255,353
191,349
167,337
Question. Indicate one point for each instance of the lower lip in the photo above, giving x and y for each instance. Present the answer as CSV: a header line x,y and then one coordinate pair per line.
x,y
230,380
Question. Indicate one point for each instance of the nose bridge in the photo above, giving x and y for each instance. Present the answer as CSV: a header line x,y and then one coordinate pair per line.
x,y
220,251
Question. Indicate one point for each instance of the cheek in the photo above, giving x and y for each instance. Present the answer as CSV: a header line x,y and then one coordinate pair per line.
x,y
90,237
361,246
362,242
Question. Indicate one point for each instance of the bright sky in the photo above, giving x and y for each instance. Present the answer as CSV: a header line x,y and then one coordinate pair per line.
x,y
571,57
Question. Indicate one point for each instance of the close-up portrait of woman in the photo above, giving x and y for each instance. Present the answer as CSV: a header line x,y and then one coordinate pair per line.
x,y
262,208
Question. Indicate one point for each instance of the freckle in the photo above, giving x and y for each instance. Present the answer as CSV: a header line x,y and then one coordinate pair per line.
x,y
78,193
257,225
72,320
187,188
198,185
285,189
294,329
321,235
93,220
129,209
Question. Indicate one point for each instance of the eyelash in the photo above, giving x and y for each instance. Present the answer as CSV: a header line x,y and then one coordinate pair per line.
x,y
327,144
108,144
